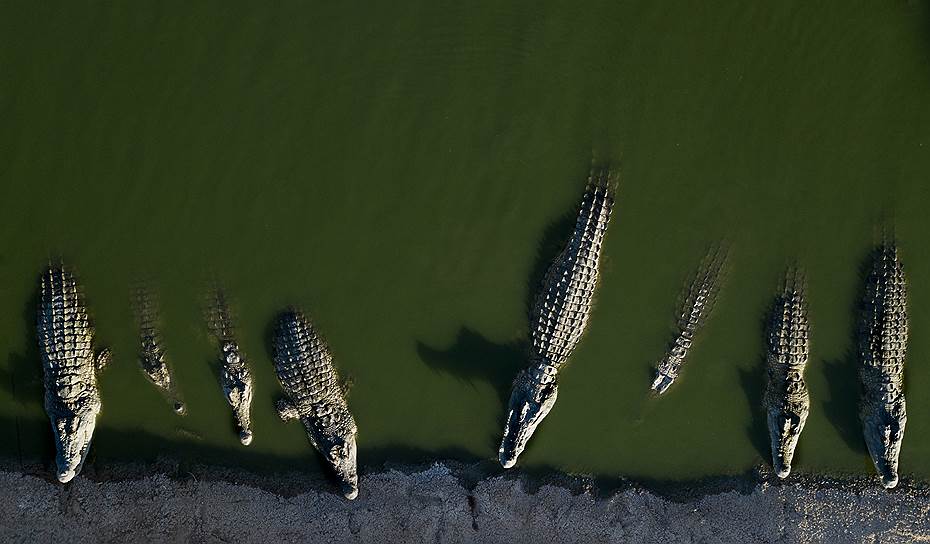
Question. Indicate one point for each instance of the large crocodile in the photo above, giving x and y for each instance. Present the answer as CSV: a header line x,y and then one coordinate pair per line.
x,y
313,394
786,396
882,350
151,350
696,305
559,317
235,376
72,400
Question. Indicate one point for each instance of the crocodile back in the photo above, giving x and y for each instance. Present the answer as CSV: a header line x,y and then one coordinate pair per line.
x,y
788,342
699,298
145,308
65,338
883,322
303,362
788,334
563,305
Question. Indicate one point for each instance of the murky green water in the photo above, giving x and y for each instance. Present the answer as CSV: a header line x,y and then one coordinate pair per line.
x,y
395,169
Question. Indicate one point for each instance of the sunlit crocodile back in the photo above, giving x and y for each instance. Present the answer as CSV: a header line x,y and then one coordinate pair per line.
x,y
563,305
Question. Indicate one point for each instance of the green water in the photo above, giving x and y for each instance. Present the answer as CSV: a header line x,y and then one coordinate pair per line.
x,y
395,169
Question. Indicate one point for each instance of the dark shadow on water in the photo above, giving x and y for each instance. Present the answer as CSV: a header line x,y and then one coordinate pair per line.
x,y
554,239
752,381
842,408
473,357
22,376
137,453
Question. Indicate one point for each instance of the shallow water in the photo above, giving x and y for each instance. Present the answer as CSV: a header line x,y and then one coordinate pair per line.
x,y
398,171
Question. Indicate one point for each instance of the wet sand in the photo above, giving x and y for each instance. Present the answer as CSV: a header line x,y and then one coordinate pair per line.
x,y
448,502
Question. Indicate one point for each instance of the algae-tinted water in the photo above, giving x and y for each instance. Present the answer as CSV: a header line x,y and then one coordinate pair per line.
x,y
398,169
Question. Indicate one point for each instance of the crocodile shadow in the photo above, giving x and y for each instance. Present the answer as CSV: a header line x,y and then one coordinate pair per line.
x,y
472,356
842,408
140,454
752,381
22,378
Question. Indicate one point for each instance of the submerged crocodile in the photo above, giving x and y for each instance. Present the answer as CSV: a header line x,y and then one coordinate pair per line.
x,y
786,396
235,376
558,318
72,400
697,303
152,350
882,350
313,394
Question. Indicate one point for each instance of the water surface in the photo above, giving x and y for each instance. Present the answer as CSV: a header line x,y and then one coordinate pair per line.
x,y
399,170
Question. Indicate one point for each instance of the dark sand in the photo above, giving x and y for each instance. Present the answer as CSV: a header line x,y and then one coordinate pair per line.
x,y
448,502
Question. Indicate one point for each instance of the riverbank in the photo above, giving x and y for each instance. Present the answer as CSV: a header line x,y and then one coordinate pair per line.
x,y
448,502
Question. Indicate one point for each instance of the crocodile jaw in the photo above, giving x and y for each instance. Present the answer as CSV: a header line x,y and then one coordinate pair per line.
x,y
530,403
784,430
884,430
343,457
72,439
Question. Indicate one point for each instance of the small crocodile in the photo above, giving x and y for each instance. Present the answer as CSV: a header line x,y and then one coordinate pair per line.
x,y
786,396
152,350
882,350
313,394
235,376
72,399
696,305
559,317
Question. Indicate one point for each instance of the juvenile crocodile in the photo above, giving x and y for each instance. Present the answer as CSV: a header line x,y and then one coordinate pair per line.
x,y
882,350
786,396
313,394
235,376
696,305
65,335
151,349
558,318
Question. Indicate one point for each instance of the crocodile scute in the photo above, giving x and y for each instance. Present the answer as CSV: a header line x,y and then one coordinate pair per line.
x,y
235,375
559,317
152,357
787,399
696,306
882,339
314,395
70,367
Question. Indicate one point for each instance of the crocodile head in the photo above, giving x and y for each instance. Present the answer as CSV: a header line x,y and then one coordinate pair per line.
x,y
530,402
784,430
73,434
884,430
341,453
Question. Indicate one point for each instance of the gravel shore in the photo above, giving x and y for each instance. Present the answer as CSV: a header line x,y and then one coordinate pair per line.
x,y
448,502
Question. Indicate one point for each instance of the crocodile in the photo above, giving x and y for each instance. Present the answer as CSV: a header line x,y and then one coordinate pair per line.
x,y
696,305
786,396
313,394
152,351
882,339
558,317
70,367
235,376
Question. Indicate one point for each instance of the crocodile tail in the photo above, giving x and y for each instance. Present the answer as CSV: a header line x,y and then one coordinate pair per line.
x,y
598,202
700,295
220,320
